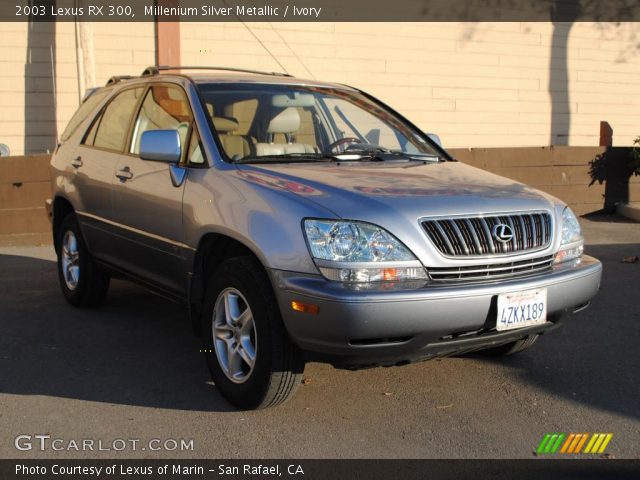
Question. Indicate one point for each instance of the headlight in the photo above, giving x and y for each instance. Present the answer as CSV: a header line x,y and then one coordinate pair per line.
x,y
572,241
360,252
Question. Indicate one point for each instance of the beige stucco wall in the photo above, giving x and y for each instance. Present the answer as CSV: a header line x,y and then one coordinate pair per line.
x,y
485,84
27,103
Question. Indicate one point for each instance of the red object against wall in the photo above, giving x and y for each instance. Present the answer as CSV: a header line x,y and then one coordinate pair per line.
x,y
168,37
606,134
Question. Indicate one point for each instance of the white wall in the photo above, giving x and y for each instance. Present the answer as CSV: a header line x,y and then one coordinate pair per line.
x,y
26,83
485,84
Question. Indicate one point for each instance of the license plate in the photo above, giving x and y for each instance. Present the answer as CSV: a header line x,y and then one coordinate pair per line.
x,y
521,309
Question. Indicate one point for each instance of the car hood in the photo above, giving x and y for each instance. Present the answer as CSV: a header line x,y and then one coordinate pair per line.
x,y
396,195
371,190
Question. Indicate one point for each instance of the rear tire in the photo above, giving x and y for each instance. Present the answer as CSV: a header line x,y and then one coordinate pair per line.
x,y
83,283
252,360
510,348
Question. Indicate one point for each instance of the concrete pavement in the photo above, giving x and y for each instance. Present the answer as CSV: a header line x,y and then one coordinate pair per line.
x,y
131,370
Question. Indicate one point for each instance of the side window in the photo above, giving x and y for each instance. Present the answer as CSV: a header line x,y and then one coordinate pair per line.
x,y
111,130
90,137
164,108
195,154
82,113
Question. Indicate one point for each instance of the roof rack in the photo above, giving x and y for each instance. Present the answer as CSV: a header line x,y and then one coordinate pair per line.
x,y
117,79
155,70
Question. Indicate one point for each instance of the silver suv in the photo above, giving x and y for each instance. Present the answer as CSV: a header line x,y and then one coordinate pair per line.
x,y
301,220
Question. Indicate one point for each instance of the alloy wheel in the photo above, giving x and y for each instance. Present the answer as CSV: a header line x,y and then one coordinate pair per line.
x,y
70,260
234,335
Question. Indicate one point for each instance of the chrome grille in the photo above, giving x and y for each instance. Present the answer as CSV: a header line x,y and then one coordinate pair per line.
x,y
492,271
473,236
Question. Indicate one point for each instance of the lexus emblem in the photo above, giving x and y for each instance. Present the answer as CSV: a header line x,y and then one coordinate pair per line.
x,y
502,233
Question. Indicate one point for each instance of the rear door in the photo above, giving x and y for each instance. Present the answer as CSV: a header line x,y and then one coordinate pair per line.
x,y
147,201
94,162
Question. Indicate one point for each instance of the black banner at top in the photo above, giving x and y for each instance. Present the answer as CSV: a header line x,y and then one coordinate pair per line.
x,y
320,10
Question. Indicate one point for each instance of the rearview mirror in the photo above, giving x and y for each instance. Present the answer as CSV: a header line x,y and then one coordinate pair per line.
x,y
298,100
435,138
160,146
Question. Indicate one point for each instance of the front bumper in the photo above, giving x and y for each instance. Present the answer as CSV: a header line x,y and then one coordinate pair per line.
x,y
385,327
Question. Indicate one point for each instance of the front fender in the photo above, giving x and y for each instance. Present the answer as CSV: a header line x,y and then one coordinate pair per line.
x,y
264,218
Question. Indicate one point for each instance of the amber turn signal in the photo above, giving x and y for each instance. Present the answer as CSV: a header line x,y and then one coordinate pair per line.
x,y
305,307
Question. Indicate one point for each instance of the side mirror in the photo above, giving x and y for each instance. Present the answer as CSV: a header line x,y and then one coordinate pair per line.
x,y
160,146
435,138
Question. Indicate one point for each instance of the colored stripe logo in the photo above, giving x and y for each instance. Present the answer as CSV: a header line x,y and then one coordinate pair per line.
x,y
574,443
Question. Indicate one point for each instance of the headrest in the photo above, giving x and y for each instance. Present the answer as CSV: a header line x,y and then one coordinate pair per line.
x,y
287,121
225,124
210,109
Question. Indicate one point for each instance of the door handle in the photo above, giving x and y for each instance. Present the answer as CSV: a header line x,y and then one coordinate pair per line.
x,y
76,162
124,174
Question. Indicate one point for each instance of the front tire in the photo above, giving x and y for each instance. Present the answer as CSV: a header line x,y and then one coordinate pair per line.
x,y
83,283
251,358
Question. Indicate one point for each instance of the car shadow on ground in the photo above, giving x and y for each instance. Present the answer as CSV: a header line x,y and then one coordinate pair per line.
x,y
136,349
593,359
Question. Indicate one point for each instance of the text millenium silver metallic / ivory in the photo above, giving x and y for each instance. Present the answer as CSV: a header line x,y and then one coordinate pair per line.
x,y
237,11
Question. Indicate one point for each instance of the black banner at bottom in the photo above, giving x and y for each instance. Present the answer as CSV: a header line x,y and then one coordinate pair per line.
x,y
320,469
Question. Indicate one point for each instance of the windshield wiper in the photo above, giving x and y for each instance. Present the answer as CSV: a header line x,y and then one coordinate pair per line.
x,y
374,154
285,157
434,157
380,154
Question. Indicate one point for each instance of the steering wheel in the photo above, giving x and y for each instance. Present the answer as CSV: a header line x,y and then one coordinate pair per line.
x,y
342,141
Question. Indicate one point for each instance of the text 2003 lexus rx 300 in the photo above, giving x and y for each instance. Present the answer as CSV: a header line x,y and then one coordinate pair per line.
x,y
298,219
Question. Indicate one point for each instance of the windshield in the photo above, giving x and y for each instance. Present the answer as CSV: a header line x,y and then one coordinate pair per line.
x,y
263,122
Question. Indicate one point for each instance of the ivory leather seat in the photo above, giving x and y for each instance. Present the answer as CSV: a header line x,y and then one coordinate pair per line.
x,y
286,123
235,146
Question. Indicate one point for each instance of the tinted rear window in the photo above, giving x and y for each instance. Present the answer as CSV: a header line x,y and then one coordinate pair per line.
x,y
82,113
116,117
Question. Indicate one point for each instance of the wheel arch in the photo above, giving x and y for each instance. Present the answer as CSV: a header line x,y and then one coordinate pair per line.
x,y
61,208
213,249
